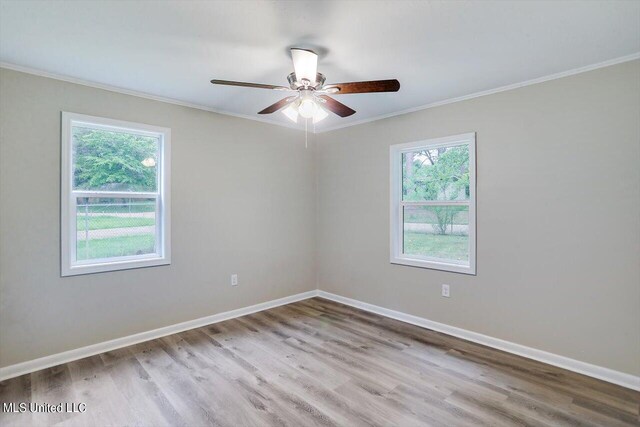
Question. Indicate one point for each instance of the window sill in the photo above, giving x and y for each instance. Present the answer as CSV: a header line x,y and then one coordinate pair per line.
x,y
434,265
100,267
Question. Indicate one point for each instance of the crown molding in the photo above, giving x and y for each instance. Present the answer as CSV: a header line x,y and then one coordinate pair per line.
x,y
117,89
543,79
110,88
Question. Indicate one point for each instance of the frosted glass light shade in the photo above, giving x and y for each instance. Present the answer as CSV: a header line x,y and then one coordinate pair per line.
x,y
307,108
320,115
291,113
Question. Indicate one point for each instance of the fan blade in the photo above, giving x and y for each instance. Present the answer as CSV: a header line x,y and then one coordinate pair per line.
x,y
243,84
305,64
278,105
365,87
336,107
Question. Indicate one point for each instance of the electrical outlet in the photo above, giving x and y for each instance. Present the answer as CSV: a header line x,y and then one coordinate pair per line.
x,y
445,291
234,280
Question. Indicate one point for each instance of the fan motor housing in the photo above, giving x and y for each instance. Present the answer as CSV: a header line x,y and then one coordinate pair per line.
x,y
295,85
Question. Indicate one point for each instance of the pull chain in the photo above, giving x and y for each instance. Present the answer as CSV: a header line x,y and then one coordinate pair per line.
x,y
305,133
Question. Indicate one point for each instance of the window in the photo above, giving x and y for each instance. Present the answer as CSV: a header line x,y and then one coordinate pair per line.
x,y
433,204
115,195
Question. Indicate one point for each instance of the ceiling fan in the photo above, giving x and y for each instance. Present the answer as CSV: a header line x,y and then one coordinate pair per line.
x,y
312,99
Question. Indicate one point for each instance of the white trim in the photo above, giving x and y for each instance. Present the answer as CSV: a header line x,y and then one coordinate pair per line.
x,y
396,229
116,194
594,371
542,79
110,88
91,350
70,266
435,203
69,79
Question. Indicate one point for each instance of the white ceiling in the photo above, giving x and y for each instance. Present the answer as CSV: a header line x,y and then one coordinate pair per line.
x,y
437,49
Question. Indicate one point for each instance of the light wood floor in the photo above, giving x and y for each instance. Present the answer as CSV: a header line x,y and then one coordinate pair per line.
x,y
317,362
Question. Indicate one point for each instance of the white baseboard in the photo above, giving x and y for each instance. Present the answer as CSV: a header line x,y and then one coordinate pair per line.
x,y
599,372
91,350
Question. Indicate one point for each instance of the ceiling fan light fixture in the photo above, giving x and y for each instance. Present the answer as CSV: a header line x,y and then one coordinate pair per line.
x,y
312,100
307,108
291,112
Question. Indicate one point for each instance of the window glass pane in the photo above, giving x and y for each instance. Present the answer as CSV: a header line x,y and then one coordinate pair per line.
x,y
114,160
440,232
114,227
436,174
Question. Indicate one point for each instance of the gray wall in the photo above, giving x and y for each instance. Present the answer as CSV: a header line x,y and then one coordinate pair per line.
x,y
243,201
558,217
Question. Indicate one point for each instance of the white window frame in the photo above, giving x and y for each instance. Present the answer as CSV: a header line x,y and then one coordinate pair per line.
x,y
397,204
71,267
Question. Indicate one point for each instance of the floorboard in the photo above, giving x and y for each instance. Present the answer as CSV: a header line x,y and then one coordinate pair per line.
x,y
317,363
